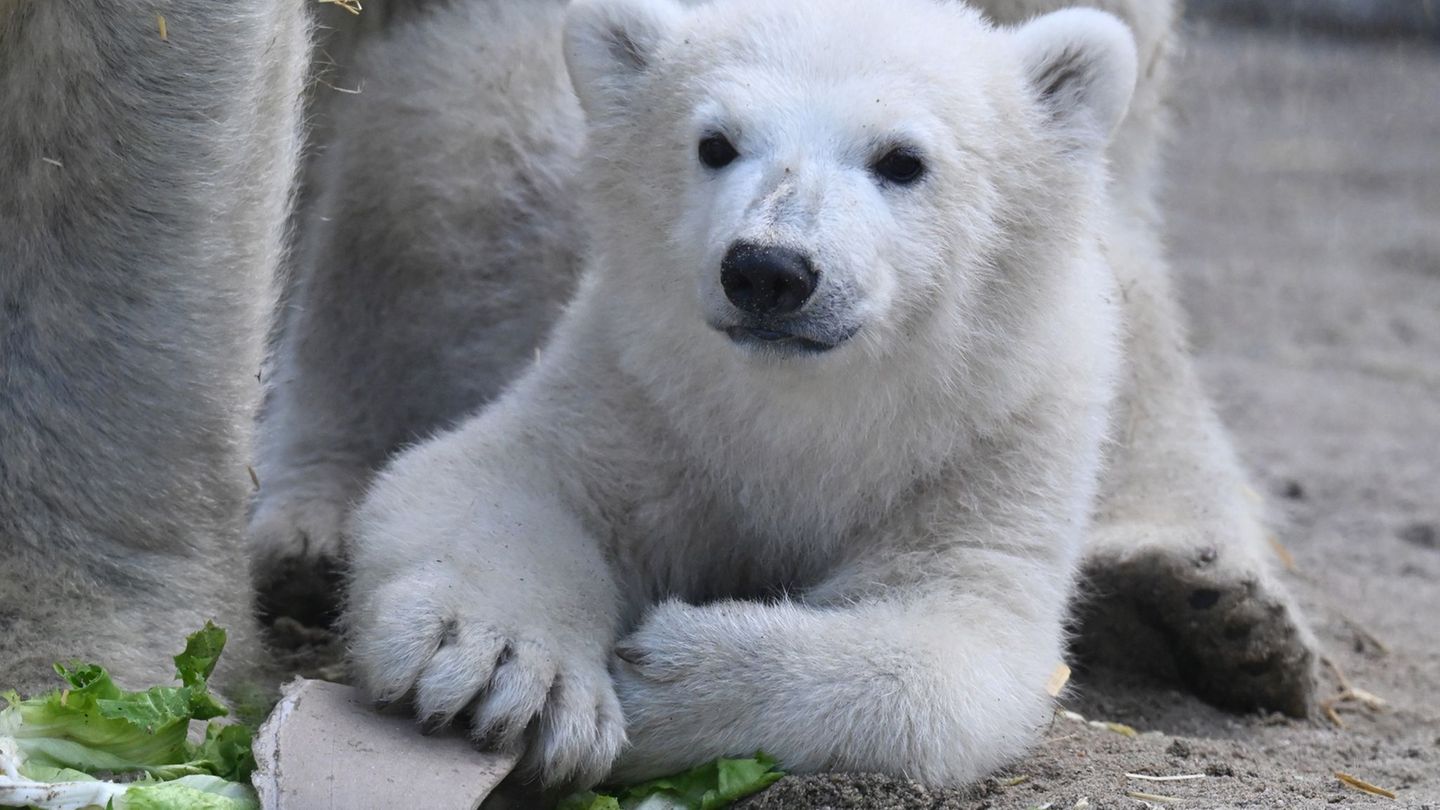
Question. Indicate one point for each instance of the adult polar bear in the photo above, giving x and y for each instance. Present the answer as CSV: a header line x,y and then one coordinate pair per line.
x,y
925,546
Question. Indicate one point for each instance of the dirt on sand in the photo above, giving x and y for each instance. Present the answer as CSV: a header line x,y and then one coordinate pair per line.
x,y
1304,211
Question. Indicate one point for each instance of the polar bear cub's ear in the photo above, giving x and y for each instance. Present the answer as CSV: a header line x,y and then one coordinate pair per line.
x,y
609,44
1082,65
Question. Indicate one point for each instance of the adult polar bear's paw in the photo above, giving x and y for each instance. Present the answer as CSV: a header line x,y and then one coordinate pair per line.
x,y
1223,625
297,548
517,682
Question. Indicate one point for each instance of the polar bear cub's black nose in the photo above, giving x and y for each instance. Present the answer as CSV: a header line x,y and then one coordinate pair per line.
x,y
767,279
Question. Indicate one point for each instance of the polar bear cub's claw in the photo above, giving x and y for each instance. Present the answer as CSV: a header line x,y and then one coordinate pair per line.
x,y
517,687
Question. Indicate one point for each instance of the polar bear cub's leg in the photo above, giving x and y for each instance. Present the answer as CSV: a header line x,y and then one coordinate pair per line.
x,y
1179,554
478,594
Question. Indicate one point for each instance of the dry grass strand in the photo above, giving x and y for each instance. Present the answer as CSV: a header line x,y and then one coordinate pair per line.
x,y
1364,787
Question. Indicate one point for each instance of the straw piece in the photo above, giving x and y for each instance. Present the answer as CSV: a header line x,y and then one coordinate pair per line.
x,y
352,6
1286,558
1152,797
1363,786
1058,679
1328,707
1119,728
1370,699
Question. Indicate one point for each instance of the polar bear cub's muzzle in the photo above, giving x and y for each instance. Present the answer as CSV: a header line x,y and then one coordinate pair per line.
x,y
771,288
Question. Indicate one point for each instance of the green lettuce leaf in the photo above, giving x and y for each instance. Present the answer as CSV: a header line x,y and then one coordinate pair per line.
x,y
588,800
185,793
85,727
189,793
711,786
92,725
195,664
226,752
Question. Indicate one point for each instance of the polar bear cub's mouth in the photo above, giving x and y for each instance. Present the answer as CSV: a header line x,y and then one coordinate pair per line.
x,y
780,340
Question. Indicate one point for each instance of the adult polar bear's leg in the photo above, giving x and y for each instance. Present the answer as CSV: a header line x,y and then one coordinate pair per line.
x,y
1179,555
144,187
440,248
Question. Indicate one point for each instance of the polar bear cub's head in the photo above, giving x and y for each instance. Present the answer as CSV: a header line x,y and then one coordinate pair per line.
x,y
802,177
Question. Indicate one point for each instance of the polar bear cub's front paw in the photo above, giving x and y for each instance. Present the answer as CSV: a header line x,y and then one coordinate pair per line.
x,y
518,679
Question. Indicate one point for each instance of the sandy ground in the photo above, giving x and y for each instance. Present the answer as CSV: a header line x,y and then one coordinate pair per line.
x,y
1305,225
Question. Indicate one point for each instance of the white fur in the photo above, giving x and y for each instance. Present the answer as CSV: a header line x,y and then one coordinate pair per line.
x,y
859,559
1094,100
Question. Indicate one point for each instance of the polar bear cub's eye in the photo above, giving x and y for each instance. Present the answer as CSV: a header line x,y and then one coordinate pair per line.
x,y
900,165
716,151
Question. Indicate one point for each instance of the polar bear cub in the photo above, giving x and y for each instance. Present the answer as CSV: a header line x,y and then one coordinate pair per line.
x,y
808,463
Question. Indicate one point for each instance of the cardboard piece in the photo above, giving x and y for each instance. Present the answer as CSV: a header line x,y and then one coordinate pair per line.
x,y
325,748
